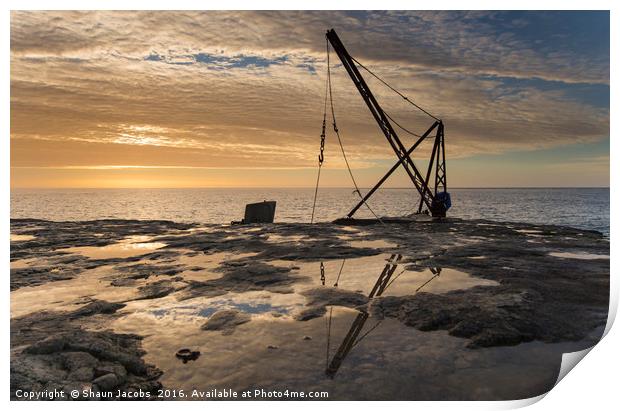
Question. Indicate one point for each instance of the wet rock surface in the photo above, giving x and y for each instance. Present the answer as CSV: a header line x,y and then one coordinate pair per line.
x,y
539,296
32,276
95,307
319,241
186,355
51,239
319,298
489,317
53,235
243,276
54,350
226,321
126,274
157,289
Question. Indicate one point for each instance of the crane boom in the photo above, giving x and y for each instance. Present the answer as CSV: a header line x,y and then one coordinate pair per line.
x,y
436,204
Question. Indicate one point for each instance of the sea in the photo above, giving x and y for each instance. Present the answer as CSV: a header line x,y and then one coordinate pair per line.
x,y
586,208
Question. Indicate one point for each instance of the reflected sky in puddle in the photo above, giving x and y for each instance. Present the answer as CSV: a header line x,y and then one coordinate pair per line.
x,y
580,256
398,361
278,238
254,303
96,283
21,237
360,274
526,231
128,247
343,352
28,262
435,280
369,243
68,294
201,266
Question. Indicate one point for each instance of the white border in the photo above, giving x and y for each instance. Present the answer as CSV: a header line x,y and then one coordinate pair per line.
x,y
591,385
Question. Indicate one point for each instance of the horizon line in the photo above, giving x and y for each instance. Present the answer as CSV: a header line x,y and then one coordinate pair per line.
x,y
301,187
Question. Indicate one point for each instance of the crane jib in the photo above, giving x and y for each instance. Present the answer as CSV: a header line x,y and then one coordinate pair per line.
x,y
437,200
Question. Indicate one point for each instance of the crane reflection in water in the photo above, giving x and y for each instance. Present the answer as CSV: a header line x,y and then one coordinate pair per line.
x,y
353,337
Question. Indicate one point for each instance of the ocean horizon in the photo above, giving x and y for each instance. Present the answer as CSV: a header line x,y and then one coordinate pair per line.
x,y
578,207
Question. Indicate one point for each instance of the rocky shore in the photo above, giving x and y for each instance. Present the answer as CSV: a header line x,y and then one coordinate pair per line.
x,y
550,284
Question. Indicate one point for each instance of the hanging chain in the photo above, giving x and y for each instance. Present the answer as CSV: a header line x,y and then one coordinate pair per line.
x,y
322,147
322,274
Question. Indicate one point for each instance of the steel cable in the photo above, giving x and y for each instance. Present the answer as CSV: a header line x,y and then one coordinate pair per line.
x,y
321,158
393,89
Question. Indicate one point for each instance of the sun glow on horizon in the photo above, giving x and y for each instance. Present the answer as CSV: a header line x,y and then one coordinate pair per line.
x,y
158,108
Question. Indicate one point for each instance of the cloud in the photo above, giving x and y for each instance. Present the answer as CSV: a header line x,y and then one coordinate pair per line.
x,y
215,89
460,41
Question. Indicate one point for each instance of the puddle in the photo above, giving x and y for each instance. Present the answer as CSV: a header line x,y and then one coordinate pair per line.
x,y
25,263
475,239
524,231
371,243
129,247
22,237
68,294
343,353
96,283
349,228
201,266
277,238
198,310
360,275
580,256
339,352
436,281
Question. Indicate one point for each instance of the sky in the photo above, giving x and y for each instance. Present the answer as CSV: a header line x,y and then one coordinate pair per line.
x,y
236,99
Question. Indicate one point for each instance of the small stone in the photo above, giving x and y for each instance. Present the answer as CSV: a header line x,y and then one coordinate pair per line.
x,y
226,321
154,290
97,307
185,355
81,374
73,360
272,347
48,346
107,382
307,337
123,282
111,368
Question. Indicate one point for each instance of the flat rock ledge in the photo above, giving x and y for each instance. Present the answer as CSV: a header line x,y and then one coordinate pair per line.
x,y
321,297
490,316
52,351
553,284
226,321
